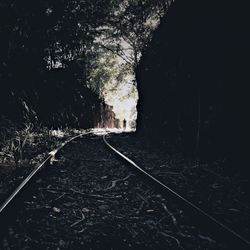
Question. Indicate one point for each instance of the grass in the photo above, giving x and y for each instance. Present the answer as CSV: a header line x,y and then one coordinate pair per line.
x,y
28,145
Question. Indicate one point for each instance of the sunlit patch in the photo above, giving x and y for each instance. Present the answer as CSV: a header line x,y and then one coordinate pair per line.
x,y
99,131
57,133
96,131
104,131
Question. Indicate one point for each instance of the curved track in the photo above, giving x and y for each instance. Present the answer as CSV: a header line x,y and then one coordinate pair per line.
x,y
169,190
36,169
164,187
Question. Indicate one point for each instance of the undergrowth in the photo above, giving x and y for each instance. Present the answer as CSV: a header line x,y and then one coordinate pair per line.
x,y
28,144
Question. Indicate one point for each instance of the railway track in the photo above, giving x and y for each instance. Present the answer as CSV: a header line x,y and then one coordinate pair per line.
x,y
50,157
234,236
197,210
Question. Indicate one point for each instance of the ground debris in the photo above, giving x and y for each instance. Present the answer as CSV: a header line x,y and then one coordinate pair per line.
x,y
102,204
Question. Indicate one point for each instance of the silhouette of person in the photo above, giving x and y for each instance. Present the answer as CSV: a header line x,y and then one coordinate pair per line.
x,y
124,124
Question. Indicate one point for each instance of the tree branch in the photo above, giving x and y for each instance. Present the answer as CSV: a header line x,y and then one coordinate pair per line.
x,y
118,54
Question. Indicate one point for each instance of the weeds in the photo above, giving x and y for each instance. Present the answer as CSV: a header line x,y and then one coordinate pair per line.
x,y
27,146
13,148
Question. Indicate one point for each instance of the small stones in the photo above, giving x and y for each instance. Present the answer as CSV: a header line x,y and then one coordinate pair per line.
x,y
85,210
150,210
61,243
56,210
103,207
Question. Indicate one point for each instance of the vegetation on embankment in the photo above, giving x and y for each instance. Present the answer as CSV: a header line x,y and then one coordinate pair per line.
x,y
25,146
192,80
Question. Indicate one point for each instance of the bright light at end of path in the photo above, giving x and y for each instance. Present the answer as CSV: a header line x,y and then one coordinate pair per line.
x,y
124,107
124,100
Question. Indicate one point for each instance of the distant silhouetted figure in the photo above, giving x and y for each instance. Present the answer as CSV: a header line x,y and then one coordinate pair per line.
x,y
124,124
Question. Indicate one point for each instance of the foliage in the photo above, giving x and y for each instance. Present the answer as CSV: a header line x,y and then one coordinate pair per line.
x,y
27,145
14,148
44,47
50,50
117,50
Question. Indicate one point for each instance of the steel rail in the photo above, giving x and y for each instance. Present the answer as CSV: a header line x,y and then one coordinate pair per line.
x,y
36,169
189,203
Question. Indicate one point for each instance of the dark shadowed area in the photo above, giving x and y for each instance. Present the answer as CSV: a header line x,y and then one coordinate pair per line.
x,y
193,81
166,171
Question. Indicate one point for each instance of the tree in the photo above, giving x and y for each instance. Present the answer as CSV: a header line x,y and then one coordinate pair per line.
x,y
130,28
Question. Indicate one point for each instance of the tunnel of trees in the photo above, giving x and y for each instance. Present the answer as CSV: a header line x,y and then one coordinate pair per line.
x,y
59,57
191,77
44,49
192,80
